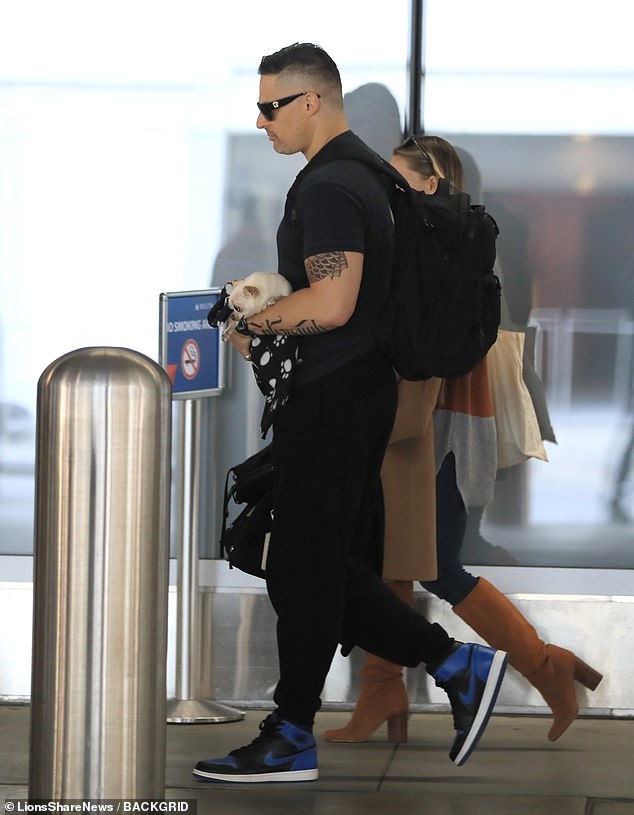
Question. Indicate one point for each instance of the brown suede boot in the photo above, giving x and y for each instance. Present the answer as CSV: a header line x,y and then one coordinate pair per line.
x,y
383,696
549,668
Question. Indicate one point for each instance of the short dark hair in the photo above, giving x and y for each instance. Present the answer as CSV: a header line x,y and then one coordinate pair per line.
x,y
303,58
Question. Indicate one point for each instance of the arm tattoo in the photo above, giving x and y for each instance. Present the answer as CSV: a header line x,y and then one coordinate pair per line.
x,y
326,264
303,328
318,267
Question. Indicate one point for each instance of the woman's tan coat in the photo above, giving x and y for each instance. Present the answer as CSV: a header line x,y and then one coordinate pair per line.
x,y
409,485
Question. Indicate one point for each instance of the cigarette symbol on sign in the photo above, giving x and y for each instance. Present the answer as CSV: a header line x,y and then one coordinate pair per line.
x,y
190,359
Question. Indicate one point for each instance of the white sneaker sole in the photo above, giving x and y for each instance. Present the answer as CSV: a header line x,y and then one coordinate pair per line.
x,y
259,778
491,689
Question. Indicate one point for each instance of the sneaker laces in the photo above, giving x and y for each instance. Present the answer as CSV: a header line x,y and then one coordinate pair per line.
x,y
453,694
268,728
454,702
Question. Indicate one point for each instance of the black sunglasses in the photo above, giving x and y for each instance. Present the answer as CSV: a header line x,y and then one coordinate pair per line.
x,y
267,109
413,142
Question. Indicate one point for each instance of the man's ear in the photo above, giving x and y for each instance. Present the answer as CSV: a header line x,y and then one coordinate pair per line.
x,y
433,184
312,101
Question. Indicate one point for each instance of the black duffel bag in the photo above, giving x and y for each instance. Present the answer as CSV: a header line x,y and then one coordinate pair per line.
x,y
245,540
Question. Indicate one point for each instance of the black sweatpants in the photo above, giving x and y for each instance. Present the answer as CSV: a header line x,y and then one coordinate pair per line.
x,y
328,447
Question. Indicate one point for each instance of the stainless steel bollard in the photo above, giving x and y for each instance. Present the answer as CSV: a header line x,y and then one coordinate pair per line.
x,y
98,689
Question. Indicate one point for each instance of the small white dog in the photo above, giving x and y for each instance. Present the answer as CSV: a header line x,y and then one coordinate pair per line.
x,y
253,294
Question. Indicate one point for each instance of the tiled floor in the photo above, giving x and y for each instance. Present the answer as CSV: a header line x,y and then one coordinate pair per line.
x,y
515,770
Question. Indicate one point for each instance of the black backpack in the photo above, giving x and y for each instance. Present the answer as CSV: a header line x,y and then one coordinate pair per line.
x,y
442,312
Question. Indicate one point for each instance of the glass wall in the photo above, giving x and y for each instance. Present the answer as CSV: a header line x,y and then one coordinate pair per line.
x,y
537,98
130,165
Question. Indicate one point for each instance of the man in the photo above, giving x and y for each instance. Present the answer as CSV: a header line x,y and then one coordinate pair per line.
x,y
335,246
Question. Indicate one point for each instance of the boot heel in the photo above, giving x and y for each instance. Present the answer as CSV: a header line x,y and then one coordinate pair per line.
x,y
586,675
397,728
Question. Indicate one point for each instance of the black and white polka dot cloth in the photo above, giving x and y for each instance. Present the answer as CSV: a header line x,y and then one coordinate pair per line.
x,y
273,359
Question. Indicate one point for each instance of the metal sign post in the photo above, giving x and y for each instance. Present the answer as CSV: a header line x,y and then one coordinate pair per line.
x,y
192,353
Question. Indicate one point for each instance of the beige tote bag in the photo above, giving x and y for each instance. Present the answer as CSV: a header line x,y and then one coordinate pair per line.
x,y
517,428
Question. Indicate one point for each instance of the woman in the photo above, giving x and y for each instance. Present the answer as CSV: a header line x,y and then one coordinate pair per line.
x,y
442,459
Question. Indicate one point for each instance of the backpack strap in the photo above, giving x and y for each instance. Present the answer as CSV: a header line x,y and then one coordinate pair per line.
x,y
227,496
352,148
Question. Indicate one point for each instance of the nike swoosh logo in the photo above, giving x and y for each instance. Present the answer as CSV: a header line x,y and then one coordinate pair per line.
x,y
271,761
468,698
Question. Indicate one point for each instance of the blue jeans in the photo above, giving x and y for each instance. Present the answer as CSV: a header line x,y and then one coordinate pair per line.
x,y
453,583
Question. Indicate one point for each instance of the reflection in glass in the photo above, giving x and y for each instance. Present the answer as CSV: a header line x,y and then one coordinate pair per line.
x,y
566,258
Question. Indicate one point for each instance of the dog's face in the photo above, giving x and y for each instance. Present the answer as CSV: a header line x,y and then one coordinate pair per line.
x,y
245,299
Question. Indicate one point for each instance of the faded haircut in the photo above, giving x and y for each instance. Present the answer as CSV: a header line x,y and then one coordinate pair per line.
x,y
309,62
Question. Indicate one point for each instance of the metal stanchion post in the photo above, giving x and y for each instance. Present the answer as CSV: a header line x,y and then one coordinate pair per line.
x,y
185,707
98,689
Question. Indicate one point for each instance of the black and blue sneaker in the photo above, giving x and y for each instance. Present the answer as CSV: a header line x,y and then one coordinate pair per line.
x,y
282,752
471,676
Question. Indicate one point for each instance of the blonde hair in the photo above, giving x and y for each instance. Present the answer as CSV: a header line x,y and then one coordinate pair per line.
x,y
432,155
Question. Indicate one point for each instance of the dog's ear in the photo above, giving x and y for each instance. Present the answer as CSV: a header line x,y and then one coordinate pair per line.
x,y
252,291
229,287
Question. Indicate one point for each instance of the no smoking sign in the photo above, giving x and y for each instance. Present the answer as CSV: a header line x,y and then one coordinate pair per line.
x,y
190,359
190,349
